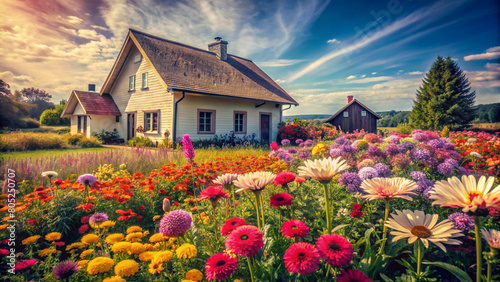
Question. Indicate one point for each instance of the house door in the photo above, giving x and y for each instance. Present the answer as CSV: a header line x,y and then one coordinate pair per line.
x,y
130,126
264,128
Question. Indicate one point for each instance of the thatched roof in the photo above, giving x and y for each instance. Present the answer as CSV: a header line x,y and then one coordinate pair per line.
x,y
349,104
190,69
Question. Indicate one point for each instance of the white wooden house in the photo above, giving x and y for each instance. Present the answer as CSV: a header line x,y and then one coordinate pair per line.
x,y
163,85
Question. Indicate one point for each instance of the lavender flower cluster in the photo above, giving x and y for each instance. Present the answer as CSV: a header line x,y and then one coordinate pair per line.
x,y
425,186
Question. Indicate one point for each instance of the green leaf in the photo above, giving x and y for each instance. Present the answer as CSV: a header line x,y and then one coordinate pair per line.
x,y
386,279
460,274
339,227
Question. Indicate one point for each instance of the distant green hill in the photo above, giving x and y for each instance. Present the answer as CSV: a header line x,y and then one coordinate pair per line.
x,y
306,117
488,113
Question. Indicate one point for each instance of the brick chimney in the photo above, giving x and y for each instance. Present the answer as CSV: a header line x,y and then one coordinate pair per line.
x,y
219,47
349,99
91,87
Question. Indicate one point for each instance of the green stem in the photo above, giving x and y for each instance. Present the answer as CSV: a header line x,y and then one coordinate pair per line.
x,y
250,268
215,222
262,211
327,207
257,205
384,231
477,229
488,278
419,256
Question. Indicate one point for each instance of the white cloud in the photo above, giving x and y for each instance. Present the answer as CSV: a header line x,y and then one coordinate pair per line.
x,y
363,75
89,34
279,63
98,27
490,54
374,72
334,40
351,77
371,79
415,73
16,82
74,20
279,81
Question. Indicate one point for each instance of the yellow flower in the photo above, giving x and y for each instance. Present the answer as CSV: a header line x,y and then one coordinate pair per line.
x,y
156,246
114,238
318,149
237,280
157,237
134,229
77,245
186,251
155,267
147,256
136,249
3,226
194,275
134,237
99,265
45,252
186,280
114,279
81,263
145,233
86,253
148,246
7,218
126,267
90,239
121,247
156,217
54,236
162,256
107,224
31,239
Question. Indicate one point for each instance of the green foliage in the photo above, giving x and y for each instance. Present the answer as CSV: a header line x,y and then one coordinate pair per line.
x,y
81,141
227,141
445,98
53,117
25,141
445,132
13,113
73,139
107,137
489,113
393,118
403,128
140,142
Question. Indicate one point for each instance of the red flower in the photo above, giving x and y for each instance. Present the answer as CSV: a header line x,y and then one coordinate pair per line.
x,y
176,204
294,228
301,258
353,275
220,266
142,208
31,221
281,199
4,252
357,213
162,191
57,181
24,264
274,146
232,224
39,188
213,193
138,175
125,214
83,228
300,179
284,177
60,244
335,249
139,217
85,219
245,240
357,206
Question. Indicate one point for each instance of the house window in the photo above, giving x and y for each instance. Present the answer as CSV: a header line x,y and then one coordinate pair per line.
x,y
144,80
346,114
363,113
137,58
206,121
79,124
240,122
117,118
151,122
82,124
131,83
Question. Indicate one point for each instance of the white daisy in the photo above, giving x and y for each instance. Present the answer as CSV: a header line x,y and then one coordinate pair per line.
x,y
254,181
492,237
388,188
322,170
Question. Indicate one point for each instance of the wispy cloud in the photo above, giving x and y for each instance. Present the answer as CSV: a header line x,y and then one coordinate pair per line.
x,y
351,77
279,63
490,54
333,40
415,73
371,79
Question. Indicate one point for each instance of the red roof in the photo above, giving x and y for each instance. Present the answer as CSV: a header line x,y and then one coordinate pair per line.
x,y
95,104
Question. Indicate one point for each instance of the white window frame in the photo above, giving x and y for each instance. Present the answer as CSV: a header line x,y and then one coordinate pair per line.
x,y
363,113
149,121
131,83
346,114
243,123
144,80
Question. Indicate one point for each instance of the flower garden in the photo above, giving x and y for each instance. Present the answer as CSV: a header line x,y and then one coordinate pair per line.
x,y
358,207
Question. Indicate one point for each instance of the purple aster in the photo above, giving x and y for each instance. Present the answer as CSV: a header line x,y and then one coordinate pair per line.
x,y
391,149
351,180
401,161
308,143
462,221
175,223
445,169
374,150
437,143
449,146
335,153
87,179
98,217
188,148
420,155
382,169
367,173
285,142
348,149
342,141
424,184
301,145
427,192
418,175
299,141
393,139
420,137
452,162
304,154
65,269
454,155
292,151
405,147
280,152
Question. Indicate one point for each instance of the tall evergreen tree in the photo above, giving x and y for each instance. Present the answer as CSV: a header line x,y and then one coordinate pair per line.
x,y
445,98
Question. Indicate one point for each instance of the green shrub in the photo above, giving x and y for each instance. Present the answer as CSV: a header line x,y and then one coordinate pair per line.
x,y
73,139
445,132
89,142
63,130
53,117
26,141
107,137
31,123
403,128
140,142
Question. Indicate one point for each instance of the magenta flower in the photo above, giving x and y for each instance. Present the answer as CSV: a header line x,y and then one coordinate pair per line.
x,y
65,269
175,223
188,148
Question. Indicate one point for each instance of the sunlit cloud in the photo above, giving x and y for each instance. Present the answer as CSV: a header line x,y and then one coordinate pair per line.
x,y
371,79
351,77
279,63
334,40
490,54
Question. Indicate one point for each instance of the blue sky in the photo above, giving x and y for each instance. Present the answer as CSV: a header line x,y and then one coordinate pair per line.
x,y
318,51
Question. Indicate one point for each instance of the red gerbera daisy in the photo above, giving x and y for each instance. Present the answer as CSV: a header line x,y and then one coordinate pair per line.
x,y
83,228
213,193
220,266
357,206
335,249
231,224
357,213
281,199
301,258
353,275
245,240
31,221
284,177
24,264
294,228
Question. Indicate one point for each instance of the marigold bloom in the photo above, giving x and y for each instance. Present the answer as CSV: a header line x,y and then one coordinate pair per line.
x,y
134,237
31,239
76,245
126,267
194,275
134,229
136,249
83,262
301,258
353,275
220,266
318,149
466,193
254,181
388,188
147,256
186,251
492,237
86,253
90,239
245,240
157,237
281,199
163,256
232,224
54,236
114,238
335,249
46,252
114,279
294,228
121,247
99,265
322,170
420,226
65,269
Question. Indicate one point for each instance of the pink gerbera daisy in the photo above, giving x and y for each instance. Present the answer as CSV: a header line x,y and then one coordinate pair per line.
x,y
335,249
353,275
284,177
245,240
24,264
213,193
301,258
294,228
220,266
281,199
232,224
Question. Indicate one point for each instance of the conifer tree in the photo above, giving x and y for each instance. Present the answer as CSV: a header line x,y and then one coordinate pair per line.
x,y
444,99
